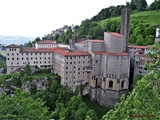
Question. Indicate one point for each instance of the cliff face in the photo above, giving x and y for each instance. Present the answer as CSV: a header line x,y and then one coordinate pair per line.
x,y
36,84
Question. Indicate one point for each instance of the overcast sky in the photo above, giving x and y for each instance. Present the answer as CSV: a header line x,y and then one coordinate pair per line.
x,y
34,18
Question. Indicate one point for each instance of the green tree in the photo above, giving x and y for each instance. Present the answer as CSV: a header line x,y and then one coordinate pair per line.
x,y
142,101
137,78
138,4
140,40
20,106
132,39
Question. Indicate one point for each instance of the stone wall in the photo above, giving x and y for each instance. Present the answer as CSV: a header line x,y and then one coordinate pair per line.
x,y
113,44
106,98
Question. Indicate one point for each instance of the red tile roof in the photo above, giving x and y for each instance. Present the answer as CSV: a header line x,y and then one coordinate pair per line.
x,y
115,34
68,53
141,55
140,51
142,61
39,50
46,42
12,46
94,41
97,41
113,54
148,46
139,47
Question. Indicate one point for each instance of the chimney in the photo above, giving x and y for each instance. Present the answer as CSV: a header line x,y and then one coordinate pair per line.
x,y
125,20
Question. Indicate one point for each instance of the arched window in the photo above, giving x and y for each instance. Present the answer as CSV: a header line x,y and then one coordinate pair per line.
x,y
96,81
110,84
122,84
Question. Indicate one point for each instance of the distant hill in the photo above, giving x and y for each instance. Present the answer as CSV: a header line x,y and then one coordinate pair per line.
x,y
7,40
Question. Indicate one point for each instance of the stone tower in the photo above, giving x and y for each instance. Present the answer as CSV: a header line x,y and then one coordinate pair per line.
x,y
125,20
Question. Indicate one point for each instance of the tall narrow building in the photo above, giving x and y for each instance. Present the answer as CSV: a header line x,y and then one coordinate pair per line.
x,y
125,22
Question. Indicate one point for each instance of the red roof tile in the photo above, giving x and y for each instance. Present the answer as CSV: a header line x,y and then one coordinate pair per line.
x,y
12,46
140,51
137,47
142,61
115,34
114,54
141,55
39,50
46,42
148,46
68,53
95,41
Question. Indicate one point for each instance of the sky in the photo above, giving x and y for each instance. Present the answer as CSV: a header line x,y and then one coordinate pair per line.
x,y
33,18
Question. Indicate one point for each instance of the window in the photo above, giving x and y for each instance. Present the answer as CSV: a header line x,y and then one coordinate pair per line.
x,y
17,54
66,72
8,58
22,58
7,53
11,63
110,84
122,84
96,61
12,58
12,53
17,63
66,67
70,62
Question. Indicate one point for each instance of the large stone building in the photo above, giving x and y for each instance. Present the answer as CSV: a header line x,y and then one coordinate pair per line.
x,y
103,64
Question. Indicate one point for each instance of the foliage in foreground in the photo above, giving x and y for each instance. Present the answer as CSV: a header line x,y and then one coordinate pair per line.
x,y
143,101
21,106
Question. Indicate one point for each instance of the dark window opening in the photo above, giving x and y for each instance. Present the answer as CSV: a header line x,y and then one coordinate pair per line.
x,y
110,84
122,84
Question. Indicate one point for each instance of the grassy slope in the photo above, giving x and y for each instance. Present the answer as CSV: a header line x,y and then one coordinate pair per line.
x,y
150,17
100,110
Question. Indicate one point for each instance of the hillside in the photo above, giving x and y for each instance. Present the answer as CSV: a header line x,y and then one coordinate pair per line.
x,y
147,17
143,26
